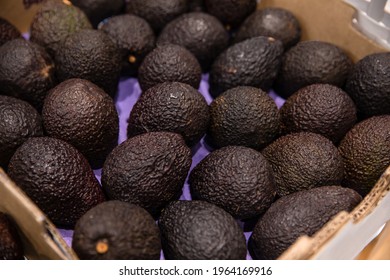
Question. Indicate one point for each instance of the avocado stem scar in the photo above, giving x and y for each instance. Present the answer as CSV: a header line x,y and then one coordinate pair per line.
x,y
132,59
102,246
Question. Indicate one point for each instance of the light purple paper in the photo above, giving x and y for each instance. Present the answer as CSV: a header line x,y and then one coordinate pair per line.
x,y
128,94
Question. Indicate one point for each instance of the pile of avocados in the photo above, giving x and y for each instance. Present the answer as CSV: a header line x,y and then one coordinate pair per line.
x,y
208,154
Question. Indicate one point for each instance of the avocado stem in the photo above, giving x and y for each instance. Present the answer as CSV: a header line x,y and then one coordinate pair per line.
x,y
102,246
132,59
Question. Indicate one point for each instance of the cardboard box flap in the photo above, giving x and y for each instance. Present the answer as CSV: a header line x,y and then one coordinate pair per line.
x,y
41,240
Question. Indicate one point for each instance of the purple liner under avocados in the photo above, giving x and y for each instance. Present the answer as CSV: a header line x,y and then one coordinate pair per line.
x,y
128,94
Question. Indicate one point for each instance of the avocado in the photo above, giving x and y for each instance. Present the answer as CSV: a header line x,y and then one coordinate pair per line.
x,y
312,62
18,121
231,12
98,10
198,230
54,22
57,178
11,247
297,214
320,108
170,106
26,71
368,84
244,116
273,22
90,55
82,114
148,170
134,38
169,63
302,161
8,32
157,12
200,33
366,153
254,62
237,179
116,230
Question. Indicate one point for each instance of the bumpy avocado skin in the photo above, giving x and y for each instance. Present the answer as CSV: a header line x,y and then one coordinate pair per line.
x,y
134,38
128,230
148,170
320,108
311,62
174,107
11,247
8,32
26,71
369,85
237,179
54,22
200,33
301,213
82,114
57,178
98,10
244,116
157,12
90,55
196,230
254,62
273,22
303,161
231,12
366,153
18,121
169,63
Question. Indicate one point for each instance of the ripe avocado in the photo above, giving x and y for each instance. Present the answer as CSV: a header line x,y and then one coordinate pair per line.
x,y
54,22
302,161
312,62
157,12
273,22
148,170
244,116
237,179
26,71
169,63
18,121
82,114
369,85
253,62
320,108
134,38
230,12
173,107
98,10
57,178
11,247
301,213
198,230
91,55
116,230
8,32
366,153
200,33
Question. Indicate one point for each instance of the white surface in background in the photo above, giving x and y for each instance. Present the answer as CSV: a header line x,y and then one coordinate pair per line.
x,y
373,19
